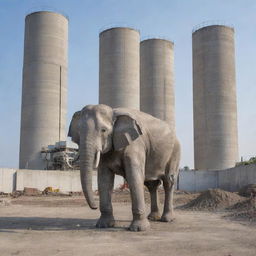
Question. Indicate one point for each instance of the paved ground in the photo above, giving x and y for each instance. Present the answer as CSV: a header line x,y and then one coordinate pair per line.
x,y
59,226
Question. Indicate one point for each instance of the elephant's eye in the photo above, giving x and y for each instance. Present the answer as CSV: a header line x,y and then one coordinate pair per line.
x,y
103,130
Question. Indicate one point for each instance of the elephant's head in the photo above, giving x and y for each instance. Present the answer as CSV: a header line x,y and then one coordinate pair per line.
x,y
98,129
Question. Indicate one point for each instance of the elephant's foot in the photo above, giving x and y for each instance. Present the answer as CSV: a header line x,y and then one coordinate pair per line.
x,y
105,222
167,217
154,216
139,225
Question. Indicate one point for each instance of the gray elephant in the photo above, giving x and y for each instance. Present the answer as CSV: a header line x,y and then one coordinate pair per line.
x,y
141,148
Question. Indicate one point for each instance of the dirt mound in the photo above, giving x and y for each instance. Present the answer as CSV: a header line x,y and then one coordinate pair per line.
x,y
248,204
245,215
249,190
244,210
213,199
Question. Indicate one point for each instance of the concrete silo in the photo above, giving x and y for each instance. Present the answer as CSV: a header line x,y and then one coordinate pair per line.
x,y
214,98
44,89
157,79
119,67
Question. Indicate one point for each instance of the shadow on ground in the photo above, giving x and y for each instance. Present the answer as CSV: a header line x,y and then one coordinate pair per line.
x,y
50,224
38,223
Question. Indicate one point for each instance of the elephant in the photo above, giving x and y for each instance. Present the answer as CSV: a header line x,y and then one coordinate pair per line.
x,y
133,144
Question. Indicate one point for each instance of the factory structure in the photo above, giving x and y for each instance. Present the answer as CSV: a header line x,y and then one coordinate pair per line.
x,y
157,79
133,74
214,98
44,90
119,68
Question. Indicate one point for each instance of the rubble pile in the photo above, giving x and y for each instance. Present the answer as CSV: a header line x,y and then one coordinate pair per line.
x,y
244,210
213,199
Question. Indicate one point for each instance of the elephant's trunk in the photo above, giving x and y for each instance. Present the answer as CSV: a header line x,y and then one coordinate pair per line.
x,y
89,160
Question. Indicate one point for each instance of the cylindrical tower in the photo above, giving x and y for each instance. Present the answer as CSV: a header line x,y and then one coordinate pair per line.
x,y
157,79
119,68
44,89
214,98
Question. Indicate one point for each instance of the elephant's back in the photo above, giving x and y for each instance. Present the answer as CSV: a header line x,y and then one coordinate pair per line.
x,y
142,117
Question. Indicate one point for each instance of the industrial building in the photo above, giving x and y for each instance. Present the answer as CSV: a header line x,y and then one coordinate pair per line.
x,y
44,88
214,98
157,79
132,74
119,68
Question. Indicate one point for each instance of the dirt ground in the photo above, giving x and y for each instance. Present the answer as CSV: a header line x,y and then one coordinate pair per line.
x,y
59,225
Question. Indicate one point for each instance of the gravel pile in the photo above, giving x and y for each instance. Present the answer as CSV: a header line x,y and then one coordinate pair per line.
x,y
244,210
213,199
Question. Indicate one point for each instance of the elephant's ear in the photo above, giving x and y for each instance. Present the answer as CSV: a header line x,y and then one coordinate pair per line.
x,y
73,127
126,130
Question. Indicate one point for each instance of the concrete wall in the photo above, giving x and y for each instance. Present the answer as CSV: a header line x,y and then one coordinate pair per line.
x,y
66,181
7,180
214,98
44,89
230,179
194,181
119,74
157,79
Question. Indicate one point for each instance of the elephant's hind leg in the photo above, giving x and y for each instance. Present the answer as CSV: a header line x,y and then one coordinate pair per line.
x,y
152,188
168,184
105,186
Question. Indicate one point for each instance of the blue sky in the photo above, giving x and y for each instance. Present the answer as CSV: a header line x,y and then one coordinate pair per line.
x,y
171,19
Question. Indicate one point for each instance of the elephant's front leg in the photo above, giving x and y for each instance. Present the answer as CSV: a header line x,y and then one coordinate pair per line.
x,y
135,178
105,187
